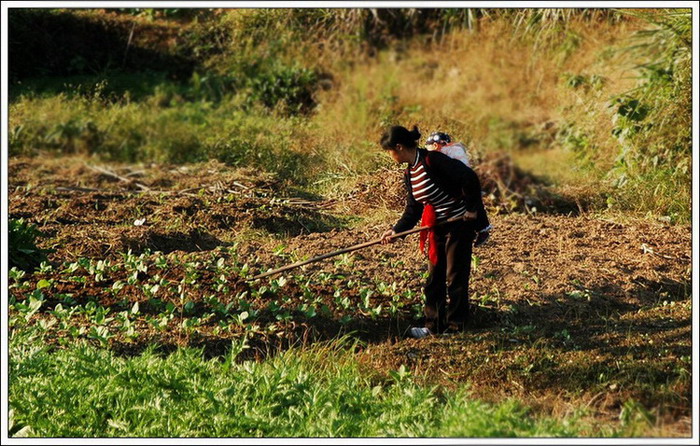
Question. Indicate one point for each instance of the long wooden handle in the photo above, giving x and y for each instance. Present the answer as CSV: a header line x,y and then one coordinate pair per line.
x,y
350,249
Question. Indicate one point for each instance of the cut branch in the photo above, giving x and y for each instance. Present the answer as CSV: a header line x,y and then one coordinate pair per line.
x,y
111,174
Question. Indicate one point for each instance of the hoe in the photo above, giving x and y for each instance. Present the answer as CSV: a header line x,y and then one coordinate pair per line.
x,y
350,249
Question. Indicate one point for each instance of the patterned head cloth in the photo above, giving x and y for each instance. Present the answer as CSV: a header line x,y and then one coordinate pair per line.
x,y
438,137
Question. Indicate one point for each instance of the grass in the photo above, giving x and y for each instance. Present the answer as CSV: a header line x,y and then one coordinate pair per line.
x,y
543,98
82,391
165,127
549,87
63,385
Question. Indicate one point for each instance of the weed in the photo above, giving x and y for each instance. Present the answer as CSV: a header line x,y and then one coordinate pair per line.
x,y
317,392
23,252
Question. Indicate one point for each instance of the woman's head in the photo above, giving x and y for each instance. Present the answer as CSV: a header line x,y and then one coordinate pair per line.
x,y
401,143
400,136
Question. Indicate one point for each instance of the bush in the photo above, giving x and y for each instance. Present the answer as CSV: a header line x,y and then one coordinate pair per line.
x,y
653,121
646,153
23,252
287,89
51,42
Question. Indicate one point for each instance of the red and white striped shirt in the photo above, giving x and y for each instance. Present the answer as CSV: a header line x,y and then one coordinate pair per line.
x,y
426,191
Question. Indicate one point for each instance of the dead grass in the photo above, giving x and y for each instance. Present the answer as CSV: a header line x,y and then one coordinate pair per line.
x,y
488,89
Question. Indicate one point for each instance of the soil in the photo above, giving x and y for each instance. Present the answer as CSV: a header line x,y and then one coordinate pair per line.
x,y
569,309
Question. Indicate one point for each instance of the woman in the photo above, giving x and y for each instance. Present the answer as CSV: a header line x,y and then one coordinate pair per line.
x,y
449,189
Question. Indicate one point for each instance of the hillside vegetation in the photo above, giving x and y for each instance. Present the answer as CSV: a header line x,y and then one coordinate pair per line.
x,y
597,101
161,158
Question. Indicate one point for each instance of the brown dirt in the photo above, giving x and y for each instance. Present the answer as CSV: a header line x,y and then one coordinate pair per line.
x,y
89,214
568,311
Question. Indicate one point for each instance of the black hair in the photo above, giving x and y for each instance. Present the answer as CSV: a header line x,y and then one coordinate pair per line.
x,y
400,135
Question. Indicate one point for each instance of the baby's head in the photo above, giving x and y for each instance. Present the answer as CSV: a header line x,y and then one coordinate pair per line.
x,y
437,140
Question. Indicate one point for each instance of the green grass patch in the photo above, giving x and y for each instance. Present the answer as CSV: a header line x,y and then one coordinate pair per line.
x,y
83,391
165,127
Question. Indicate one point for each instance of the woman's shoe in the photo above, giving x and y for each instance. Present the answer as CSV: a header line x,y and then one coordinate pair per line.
x,y
418,332
481,238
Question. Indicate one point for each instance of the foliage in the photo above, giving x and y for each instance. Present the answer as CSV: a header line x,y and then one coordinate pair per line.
x,y
82,391
653,121
72,42
165,127
171,298
287,88
347,31
23,252
546,20
647,155
154,13
255,101
287,102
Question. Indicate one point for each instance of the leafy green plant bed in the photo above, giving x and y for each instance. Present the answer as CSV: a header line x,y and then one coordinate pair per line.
x,y
82,391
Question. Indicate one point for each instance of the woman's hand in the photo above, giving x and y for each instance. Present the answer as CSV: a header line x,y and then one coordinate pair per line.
x,y
386,235
469,216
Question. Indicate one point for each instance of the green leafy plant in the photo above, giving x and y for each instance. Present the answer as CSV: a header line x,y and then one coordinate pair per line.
x,y
652,122
23,251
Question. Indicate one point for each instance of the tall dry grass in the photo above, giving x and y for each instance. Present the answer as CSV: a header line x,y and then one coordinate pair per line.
x,y
491,88
529,82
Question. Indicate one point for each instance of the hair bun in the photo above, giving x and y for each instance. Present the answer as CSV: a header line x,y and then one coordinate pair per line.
x,y
398,134
415,133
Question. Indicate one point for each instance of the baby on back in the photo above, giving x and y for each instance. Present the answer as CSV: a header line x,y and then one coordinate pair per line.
x,y
443,143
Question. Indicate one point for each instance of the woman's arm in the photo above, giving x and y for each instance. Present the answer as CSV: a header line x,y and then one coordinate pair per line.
x,y
412,211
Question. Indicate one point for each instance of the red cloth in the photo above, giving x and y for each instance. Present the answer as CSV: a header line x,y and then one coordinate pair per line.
x,y
429,218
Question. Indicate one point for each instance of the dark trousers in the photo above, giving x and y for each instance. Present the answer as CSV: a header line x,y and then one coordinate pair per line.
x,y
449,277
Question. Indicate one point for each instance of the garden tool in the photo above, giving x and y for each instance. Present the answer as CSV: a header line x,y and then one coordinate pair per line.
x,y
352,248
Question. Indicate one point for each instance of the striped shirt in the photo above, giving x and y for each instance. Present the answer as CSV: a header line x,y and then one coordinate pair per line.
x,y
426,191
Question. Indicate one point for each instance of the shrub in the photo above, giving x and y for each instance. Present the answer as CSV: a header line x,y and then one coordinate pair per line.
x,y
645,149
288,89
23,252
653,121
50,42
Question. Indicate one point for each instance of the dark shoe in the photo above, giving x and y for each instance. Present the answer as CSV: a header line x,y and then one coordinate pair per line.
x,y
481,238
418,332
452,330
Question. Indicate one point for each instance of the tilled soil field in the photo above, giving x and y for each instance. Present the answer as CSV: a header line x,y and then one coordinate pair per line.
x,y
567,311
